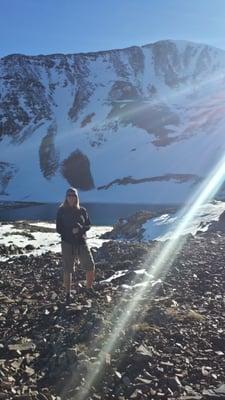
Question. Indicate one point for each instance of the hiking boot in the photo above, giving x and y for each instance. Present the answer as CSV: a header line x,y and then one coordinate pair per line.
x,y
79,289
68,299
91,292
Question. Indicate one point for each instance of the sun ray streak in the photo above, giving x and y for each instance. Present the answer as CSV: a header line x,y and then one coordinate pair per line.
x,y
160,266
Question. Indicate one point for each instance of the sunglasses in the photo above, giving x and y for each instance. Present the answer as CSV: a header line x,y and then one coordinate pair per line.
x,y
71,195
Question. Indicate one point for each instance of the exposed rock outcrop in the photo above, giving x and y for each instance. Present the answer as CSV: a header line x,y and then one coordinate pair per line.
x,y
76,170
7,172
48,154
219,225
131,228
179,178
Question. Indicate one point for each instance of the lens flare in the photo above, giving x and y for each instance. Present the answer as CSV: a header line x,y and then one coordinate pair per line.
x,y
159,267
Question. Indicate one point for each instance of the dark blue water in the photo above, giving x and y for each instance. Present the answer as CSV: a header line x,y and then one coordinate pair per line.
x,y
100,214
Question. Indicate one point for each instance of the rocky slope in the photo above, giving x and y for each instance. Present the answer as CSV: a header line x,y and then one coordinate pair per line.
x,y
142,123
171,347
161,224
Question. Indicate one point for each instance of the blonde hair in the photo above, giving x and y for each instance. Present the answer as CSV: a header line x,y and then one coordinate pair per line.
x,y
76,204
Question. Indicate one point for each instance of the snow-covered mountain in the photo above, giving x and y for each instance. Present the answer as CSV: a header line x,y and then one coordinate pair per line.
x,y
142,124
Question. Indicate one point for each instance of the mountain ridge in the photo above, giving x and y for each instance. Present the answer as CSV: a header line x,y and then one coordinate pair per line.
x,y
116,106
189,42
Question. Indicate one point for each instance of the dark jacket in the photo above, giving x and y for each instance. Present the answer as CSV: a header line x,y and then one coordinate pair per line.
x,y
69,218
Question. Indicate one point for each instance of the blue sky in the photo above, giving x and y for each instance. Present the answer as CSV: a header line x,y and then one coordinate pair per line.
x,y
72,26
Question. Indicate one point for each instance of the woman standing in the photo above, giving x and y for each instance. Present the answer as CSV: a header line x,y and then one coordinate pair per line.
x,y
72,223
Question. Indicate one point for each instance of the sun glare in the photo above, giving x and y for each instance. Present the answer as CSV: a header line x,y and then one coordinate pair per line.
x,y
158,268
